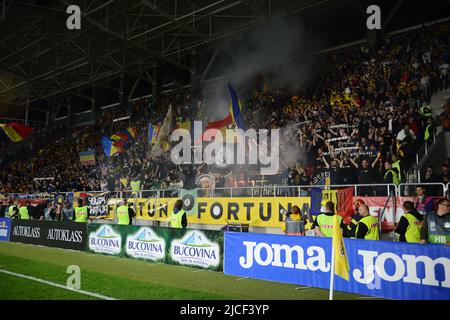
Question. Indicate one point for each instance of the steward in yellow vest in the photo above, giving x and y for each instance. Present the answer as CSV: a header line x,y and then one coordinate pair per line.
x,y
410,223
23,211
367,227
323,225
391,175
122,214
428,129
135,187
81,212
178,217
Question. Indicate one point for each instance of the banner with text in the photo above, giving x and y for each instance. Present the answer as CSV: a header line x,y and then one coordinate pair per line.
x,y
377,268
67,235
195,248
255,211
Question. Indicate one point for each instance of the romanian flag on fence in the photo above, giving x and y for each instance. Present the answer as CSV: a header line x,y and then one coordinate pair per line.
x,y
87,158
342,199
16,131
341,266
153,132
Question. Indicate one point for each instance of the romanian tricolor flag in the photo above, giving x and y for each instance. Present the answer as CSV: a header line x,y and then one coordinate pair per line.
x,y
153,132
110,147
125,135
16,131
234,115
87,158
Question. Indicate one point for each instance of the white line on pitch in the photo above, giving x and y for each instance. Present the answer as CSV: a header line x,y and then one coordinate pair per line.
x,y
56,285
241,278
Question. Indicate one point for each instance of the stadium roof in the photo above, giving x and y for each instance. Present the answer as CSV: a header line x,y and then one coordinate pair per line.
x,y
41,60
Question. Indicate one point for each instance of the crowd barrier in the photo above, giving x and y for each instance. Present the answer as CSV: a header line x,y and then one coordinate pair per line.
x,y
377,268
379,190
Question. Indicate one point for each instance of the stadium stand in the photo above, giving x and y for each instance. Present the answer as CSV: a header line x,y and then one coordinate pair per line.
x,y
362,110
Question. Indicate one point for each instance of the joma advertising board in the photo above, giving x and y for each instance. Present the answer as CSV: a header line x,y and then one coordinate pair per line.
x,y
377,268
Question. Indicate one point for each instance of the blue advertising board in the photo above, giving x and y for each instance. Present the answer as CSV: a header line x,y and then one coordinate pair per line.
x,y
5,228
377,268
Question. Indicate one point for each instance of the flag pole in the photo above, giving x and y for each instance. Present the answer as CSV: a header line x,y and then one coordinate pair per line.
x,y
332,271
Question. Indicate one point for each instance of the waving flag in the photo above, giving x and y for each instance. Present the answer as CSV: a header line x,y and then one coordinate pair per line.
x,y
236,108
87,158
153,132
109,147
234,115
162,143
16,131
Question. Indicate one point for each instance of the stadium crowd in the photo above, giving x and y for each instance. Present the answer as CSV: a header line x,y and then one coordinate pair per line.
x,y
361,119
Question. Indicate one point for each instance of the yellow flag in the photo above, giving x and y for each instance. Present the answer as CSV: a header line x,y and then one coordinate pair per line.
x,y
124,182
341,267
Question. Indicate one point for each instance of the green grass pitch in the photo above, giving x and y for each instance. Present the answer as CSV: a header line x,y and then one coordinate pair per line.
x,y
124,278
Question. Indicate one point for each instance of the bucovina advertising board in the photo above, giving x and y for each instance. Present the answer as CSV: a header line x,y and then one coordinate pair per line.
x,y
195,248
377,268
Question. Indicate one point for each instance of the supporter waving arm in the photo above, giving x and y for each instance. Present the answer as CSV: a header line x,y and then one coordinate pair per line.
x,y
376,159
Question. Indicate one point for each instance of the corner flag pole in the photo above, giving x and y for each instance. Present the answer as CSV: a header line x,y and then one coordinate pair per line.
x,y
332,271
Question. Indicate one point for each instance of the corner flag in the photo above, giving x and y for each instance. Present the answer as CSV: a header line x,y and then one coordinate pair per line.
x,y
339,258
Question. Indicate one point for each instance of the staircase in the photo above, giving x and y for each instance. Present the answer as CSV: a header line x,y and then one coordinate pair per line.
x,y
437,149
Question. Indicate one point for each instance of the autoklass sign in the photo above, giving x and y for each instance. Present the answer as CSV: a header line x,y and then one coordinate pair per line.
x,y
67,235
5,227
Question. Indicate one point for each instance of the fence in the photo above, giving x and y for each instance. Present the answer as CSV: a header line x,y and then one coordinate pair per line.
x,y
382,190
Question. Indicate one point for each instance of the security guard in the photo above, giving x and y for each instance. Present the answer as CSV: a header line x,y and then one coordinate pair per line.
x,y
436,226
367,227
391,175
178,217
135,187
323,225
350,230
81,212
13,211
426,111
23,211
410,223
122,213
428,129
397,165
294,224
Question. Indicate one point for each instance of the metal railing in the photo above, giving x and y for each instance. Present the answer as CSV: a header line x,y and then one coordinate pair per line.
x,y
359,190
